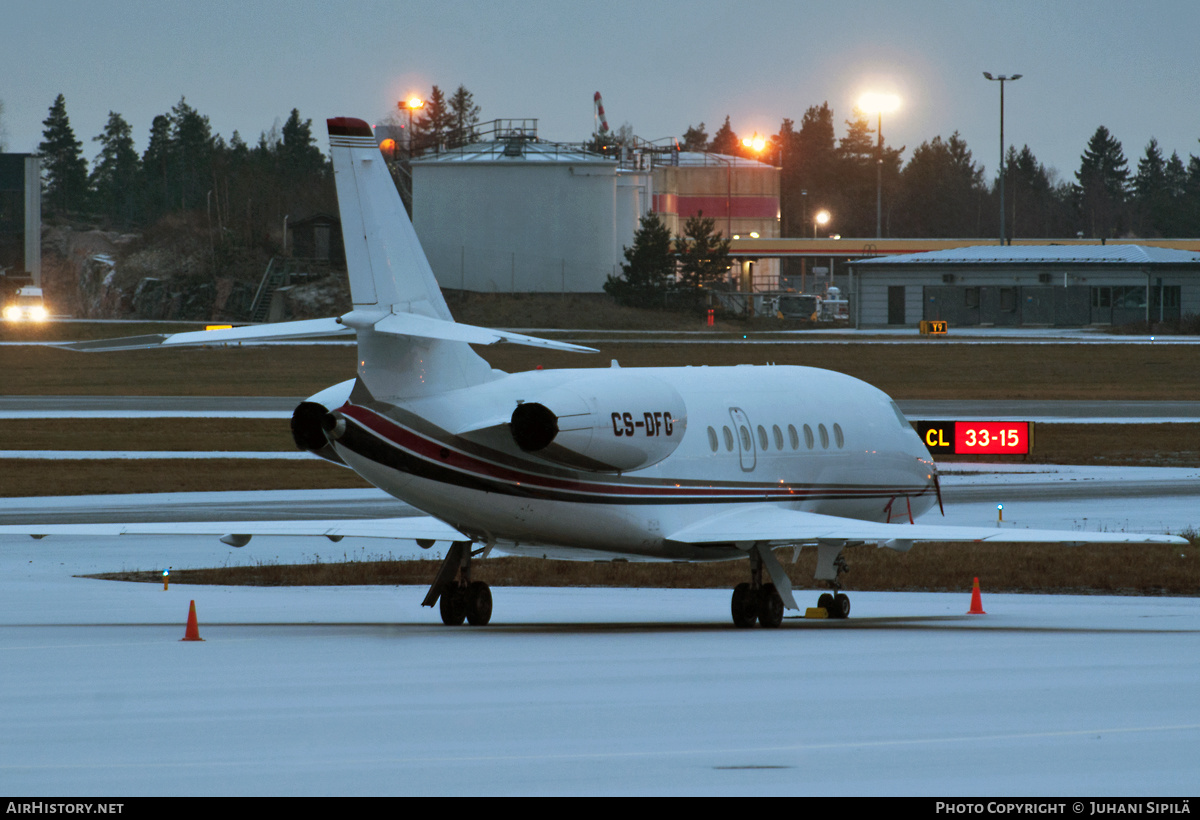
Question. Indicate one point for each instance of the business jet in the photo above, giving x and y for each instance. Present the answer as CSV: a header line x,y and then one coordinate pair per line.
x,y
601,463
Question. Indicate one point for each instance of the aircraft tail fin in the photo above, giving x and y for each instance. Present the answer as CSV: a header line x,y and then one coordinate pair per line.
x,y
388,268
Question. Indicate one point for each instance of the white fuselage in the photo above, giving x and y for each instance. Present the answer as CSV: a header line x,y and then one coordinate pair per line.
x,y
796,437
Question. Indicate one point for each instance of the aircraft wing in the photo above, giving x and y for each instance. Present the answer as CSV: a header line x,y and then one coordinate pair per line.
x,y
419,527
782,526
275,332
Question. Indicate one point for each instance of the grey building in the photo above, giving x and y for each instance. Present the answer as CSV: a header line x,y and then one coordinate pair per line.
x,y
1041,285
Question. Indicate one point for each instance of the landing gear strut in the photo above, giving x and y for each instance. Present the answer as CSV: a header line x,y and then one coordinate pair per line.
x,y
830,566
461,599
756,601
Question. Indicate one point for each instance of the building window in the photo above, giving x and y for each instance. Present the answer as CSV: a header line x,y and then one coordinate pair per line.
x,y
971,297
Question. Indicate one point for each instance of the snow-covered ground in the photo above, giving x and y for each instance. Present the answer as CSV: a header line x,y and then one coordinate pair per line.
x,y
573,691
360,690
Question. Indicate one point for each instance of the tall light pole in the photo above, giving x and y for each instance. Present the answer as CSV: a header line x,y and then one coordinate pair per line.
x,y
412,105
1000,78
877,104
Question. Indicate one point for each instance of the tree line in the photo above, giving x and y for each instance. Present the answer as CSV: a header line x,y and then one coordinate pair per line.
x,y
241,192
941,191
246,190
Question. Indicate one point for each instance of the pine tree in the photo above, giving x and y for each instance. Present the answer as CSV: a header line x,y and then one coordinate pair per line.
x,y
725,141
430,128
192,143
695,138
1150,193
703,255
116,171
299,155
156,166
649,267
464,116
63,164
1102,185
942,190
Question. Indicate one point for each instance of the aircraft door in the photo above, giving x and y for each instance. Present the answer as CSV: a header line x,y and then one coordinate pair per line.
x,y
743,432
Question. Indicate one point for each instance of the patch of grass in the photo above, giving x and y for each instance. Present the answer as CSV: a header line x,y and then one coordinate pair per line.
x,y
233,434
97,477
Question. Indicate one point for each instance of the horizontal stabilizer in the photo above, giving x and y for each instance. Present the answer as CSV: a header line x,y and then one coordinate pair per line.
x,y
427,327
403,324
783,526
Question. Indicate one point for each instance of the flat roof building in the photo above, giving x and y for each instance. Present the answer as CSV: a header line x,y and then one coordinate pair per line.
x,y
1039,285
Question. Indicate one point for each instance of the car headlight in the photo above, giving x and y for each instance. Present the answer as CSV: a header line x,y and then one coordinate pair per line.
x,y
38,314
12,313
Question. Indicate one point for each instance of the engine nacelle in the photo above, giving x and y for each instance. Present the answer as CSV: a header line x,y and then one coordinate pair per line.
x,y
308,418
611,422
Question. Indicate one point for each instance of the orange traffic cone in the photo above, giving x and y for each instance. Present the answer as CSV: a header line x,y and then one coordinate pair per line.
x,y
976,603
193,630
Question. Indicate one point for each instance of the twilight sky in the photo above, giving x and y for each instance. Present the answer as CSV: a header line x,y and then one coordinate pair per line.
x,y
1131,66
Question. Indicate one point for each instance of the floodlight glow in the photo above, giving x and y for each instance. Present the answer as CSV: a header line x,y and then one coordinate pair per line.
x,y
872,103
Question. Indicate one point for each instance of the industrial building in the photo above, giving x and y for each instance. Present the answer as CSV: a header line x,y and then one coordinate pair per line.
x,y
21,217
1038,285
512,213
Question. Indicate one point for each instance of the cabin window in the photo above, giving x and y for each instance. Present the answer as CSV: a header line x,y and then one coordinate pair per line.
x,y
712,439
747,443
793,437
763,444
808,436
728,439
838,438
778,437
824,436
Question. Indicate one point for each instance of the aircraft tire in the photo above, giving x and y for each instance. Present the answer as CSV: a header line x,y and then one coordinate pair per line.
x,y
770,607
744,606
841,606
453,604
478,604
825,602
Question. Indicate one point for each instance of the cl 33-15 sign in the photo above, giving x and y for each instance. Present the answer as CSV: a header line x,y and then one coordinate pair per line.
x,y
977,437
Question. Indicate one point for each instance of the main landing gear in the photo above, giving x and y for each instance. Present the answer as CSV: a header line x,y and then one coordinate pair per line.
x,y
756,601
461,599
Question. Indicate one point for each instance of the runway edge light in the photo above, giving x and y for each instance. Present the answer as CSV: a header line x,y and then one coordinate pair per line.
x,y
192,633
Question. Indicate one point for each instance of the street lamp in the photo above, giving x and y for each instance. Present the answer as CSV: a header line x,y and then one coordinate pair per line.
x,y
1002,79
412,104
877,104
822,219
755,143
